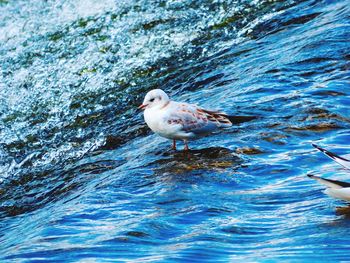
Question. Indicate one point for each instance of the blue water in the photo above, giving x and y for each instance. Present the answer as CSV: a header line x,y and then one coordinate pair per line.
x,y
84,180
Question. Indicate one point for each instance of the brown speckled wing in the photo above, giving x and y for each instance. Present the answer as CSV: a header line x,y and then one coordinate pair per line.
x,y
216,116
198,120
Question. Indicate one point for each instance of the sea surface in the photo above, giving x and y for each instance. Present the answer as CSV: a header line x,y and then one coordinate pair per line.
x,y
83,179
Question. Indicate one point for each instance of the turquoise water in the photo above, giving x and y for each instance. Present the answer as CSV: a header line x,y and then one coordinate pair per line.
x,y
82,177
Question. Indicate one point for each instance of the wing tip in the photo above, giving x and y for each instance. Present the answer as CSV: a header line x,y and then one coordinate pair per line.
x,y
317,147
310,176
330,154
329,182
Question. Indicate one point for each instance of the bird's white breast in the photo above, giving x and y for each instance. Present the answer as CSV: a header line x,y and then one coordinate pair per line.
x,y
157,120
153,118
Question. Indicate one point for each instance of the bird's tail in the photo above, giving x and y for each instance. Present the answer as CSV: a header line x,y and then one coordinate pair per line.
x,y
240,119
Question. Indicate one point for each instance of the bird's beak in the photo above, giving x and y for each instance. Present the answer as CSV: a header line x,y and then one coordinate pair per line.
x,y
142,106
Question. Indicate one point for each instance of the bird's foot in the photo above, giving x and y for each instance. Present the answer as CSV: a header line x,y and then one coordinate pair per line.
x,y
174,145
186,147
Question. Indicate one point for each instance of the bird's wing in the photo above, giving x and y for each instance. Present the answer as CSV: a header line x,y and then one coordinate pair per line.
x,y
330,183
197,120
337,189
219,118
339,159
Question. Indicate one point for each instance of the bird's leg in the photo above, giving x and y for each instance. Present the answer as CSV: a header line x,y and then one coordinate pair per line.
x,y
174,144
186,146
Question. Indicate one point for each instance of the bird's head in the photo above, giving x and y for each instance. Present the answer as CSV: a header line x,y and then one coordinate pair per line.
x,y
155,98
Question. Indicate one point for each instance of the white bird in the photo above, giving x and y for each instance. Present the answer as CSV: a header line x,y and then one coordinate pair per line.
x,y
179,120
337,189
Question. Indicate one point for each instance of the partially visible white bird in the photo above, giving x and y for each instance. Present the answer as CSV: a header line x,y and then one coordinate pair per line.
x,y
335,188
179,120
339,159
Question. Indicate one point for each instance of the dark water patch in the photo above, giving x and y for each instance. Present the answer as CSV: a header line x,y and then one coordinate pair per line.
x,y
180,162
325,93
171,201
301,19
248,150
136,234
218,211
281,22
22,195
245,231
276,138
320,127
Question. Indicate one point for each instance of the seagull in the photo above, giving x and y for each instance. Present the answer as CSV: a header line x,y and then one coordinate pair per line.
x,y
337,189
179,120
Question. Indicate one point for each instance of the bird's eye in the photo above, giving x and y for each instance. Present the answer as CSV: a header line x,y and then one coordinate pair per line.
x,y
151,100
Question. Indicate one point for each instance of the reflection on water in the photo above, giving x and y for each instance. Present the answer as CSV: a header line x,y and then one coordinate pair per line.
x,y
83,178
